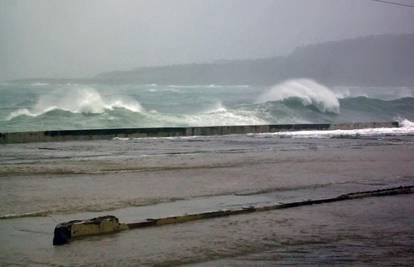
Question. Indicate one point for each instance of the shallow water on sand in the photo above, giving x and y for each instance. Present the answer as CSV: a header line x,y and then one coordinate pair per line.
x,y
142,178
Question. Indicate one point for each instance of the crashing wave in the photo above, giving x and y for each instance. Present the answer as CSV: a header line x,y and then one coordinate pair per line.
x,y
307,91
404,123
83,100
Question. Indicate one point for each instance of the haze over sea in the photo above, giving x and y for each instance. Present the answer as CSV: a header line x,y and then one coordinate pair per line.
x,y
31,106
79,65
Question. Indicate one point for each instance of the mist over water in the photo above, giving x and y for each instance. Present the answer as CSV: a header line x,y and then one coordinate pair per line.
x,y
42,106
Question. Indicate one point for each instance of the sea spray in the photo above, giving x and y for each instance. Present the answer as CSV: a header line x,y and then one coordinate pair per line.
x,y
79,100
404,123
216,114
27,107
307,91
216,108
406,128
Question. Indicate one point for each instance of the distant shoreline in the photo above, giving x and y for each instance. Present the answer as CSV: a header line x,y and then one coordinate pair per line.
x,y
377,60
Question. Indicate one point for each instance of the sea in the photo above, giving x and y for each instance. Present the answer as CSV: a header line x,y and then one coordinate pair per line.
x,y
34,106
46,183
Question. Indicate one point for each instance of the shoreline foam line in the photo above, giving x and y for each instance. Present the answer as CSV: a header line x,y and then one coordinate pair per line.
x,y
66,232
108,134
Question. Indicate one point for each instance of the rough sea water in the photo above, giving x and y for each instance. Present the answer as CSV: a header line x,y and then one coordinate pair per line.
x,y
57,106
43,184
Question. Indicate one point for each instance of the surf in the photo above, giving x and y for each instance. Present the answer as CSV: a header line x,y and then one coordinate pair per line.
x,y
307,91
68,106
84,100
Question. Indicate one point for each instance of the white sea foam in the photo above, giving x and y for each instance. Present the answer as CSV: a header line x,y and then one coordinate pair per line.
x,y
39,84
218,114
308,91
406,128
406,123
222,118
217,108
78,100
214,115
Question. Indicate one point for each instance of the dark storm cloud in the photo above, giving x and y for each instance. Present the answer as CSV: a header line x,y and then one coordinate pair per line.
x,y
81,38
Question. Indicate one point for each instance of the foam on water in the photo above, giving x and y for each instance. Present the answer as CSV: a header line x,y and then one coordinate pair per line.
x,y
217,108
215,115
39,84
407,128
307,91
223,117
80,100
406,124
29,107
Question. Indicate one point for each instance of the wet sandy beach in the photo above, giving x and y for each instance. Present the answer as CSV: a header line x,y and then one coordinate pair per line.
x,y
142,178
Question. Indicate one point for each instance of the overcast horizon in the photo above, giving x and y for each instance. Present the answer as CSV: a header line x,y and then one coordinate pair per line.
x,y
81,39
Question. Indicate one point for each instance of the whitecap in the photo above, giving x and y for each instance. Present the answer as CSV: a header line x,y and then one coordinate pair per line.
x,y
308,91
77,100
39,84
406,128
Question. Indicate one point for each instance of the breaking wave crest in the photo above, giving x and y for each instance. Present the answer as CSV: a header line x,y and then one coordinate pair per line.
x,y
308,92
217,114
75,106
82,100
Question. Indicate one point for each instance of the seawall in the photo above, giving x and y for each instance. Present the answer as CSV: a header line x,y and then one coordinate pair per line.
x,y
107,134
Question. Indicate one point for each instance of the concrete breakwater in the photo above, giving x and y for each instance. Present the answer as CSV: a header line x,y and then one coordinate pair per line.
x,y
107,134
67,231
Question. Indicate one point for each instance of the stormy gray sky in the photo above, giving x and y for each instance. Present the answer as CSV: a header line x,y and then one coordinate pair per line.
x,y
79,38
